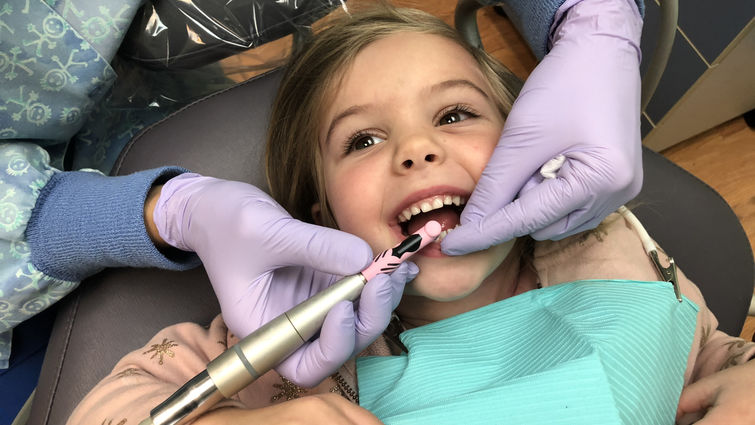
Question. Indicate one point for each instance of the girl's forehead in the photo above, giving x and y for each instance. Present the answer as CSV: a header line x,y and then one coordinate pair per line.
x,y
402,43
406,57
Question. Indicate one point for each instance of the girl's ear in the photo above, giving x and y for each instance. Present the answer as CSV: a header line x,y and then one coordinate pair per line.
x,y
316,212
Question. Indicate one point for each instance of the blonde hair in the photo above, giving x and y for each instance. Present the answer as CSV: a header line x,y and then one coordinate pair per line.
x,y
293,163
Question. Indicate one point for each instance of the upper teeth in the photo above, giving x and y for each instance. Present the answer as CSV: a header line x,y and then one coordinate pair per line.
x,y
429,204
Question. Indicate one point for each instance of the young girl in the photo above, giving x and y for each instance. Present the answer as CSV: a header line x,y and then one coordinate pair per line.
x,y
383,122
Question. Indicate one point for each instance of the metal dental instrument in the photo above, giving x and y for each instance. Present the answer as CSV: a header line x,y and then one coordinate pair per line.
x,y
264,348
668,274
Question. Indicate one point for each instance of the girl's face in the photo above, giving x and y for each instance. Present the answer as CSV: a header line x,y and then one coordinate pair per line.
x,y
405,140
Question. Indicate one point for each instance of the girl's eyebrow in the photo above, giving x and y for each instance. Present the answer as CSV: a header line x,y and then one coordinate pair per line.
x,y
443,85
352,110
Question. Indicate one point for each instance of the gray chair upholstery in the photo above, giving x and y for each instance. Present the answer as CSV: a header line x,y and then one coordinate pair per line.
x,y
118,310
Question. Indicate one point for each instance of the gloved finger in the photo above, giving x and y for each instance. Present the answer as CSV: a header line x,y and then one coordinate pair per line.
x,y
549,169
317,360
379,298
565,226
321,248
374,310
538,208
507,170
533,181
405,273
589,215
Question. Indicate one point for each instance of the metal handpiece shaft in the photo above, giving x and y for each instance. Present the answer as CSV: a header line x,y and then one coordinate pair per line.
x,y
259,352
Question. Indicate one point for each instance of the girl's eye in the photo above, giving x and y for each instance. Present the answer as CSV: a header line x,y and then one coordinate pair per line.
x,y
456,114
362,141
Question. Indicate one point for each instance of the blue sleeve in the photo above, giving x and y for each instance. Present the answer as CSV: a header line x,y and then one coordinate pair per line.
x,y
84,222
57,228
534,19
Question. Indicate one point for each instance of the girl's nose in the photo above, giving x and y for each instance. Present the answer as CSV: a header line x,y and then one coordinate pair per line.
x,y
417,152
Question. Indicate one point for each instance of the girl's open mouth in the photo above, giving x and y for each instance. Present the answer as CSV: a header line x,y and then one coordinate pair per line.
x,y
445,209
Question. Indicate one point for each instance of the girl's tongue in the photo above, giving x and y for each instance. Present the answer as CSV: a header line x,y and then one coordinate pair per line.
x,y
448,217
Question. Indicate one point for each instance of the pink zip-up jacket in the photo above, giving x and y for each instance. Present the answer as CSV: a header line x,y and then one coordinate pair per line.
x,y
147,376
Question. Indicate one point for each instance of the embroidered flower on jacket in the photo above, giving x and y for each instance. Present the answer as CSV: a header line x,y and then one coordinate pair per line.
x,y
288,390
162,349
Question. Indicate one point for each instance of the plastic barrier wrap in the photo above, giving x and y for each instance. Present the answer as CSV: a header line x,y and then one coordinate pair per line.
x,y
178,51
186,34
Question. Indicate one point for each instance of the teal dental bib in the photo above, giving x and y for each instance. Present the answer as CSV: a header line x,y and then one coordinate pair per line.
x,y
585,352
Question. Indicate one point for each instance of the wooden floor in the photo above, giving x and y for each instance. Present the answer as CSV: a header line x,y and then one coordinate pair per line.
x,y
723,157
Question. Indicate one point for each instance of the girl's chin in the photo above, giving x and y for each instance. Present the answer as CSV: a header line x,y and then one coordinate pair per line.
x,y
449,278
436,293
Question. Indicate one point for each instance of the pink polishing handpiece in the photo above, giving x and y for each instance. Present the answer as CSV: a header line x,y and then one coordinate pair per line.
x,y
391,258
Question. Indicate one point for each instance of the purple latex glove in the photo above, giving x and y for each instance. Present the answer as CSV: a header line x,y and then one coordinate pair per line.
x,y
262,262
582,101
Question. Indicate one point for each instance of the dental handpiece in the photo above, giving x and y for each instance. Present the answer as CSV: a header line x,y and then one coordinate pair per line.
x,y
263,349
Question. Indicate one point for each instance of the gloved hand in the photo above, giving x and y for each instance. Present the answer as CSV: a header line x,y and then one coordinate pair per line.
x,y
262,262
582,101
